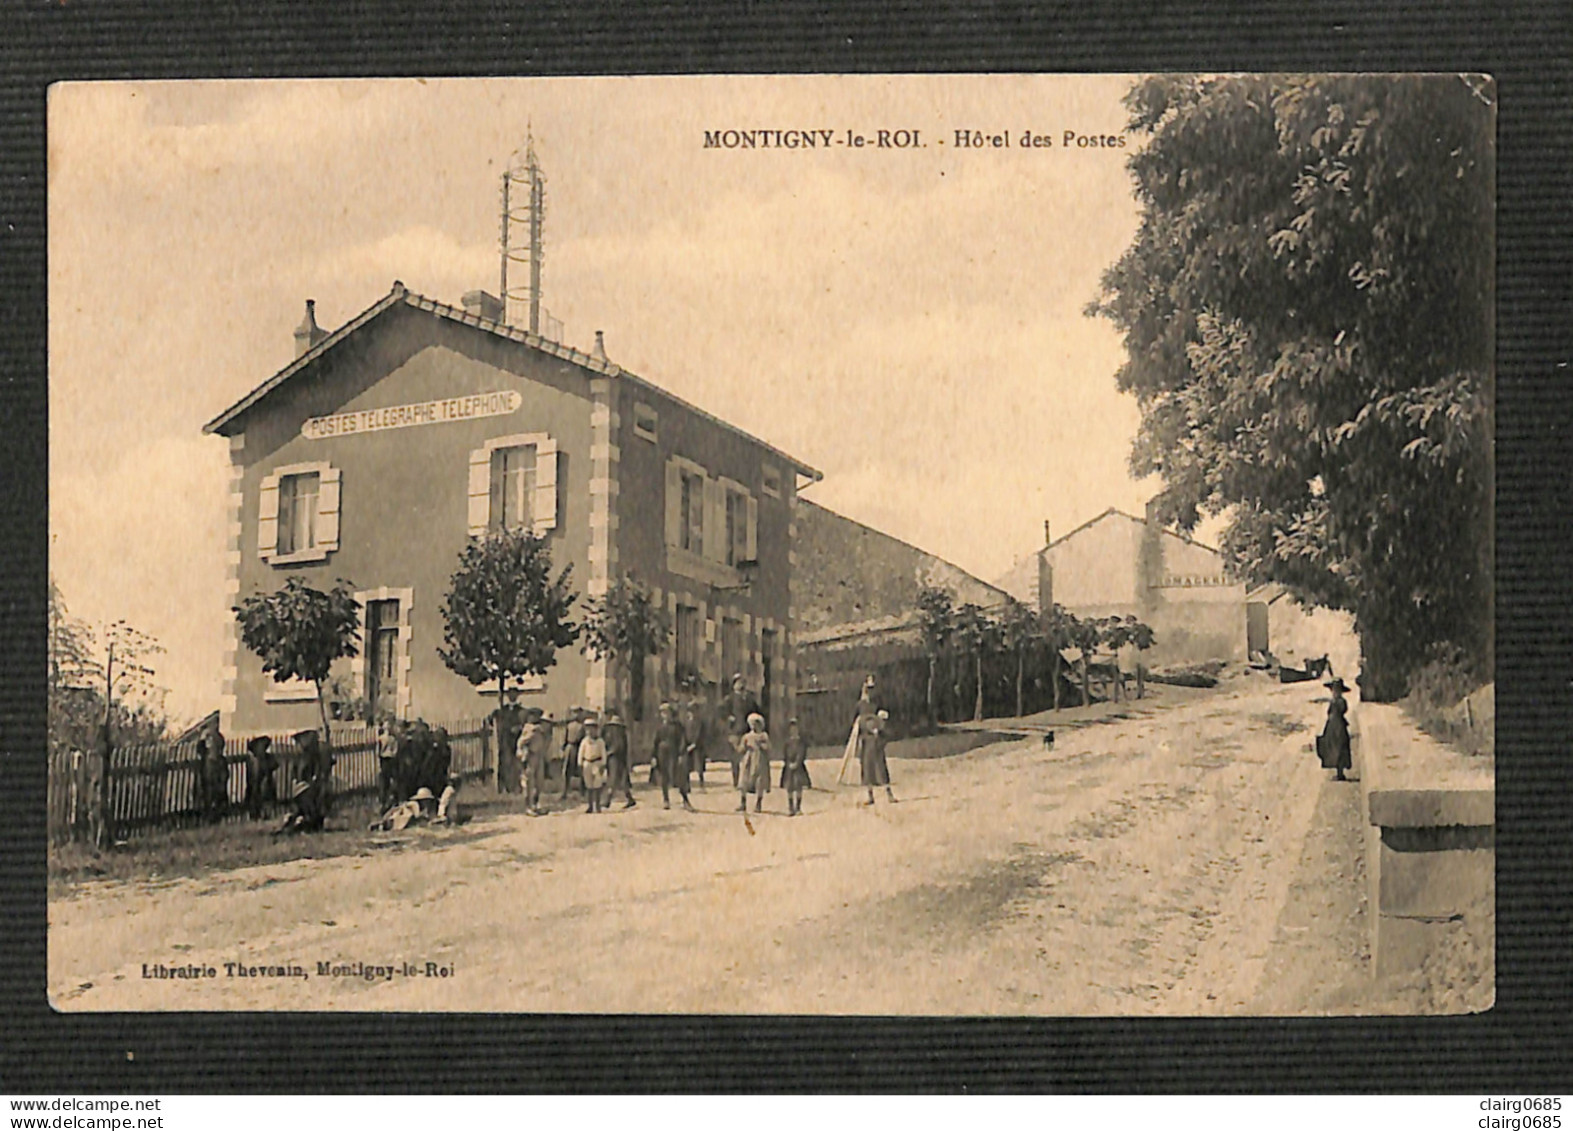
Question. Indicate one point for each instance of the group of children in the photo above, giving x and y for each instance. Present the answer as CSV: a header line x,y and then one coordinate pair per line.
x,y
600,755
754,771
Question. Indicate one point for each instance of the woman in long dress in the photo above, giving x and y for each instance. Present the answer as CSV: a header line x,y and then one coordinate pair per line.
x,y
871,754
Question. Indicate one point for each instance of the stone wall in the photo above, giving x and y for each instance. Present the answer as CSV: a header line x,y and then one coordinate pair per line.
x,y
850,573
1430,848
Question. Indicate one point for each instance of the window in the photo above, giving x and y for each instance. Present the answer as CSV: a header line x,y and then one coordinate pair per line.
x,y
298,513
689,632
512,489
731,649
692,513
770,480
644,421
298,496
382,645
736,527
513,485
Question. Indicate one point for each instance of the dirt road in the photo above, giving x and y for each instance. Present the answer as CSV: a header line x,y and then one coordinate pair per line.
x,y
1138,867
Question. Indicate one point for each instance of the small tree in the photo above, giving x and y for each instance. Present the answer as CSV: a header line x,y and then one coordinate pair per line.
x,y
99,677
504,615
976,633
1020,630
299,632
626,626
1056,627
1084,635
1123,631
936,621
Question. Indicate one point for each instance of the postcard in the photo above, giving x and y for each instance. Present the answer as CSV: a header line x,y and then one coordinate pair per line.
x,y
970,545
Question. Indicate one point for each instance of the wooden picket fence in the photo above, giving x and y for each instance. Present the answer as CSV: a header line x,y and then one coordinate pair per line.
x,y
152,786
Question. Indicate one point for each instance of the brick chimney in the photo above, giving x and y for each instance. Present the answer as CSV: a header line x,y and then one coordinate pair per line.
x,y
599,353
483,304
308,333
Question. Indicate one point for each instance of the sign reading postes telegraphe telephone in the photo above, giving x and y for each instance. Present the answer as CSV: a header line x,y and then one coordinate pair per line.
x,y
449,411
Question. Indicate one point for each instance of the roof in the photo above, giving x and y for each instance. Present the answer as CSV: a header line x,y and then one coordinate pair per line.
x,y
805,502
401,295
1186,538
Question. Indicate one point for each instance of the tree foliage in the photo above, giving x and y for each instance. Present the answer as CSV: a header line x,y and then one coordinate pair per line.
x,y
298,632
975,633
505,615
1307,311
936,622
1020,631
97,676
627,625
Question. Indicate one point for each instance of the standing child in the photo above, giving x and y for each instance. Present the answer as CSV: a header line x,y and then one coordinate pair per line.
x,y
592,762
754,747
794,770
871,752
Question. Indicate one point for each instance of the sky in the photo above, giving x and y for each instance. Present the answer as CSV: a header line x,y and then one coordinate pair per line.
x,y
907,320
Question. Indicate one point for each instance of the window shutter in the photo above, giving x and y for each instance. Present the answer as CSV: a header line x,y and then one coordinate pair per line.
x,y
268,518
328,510
544,505
480,491
674,504
715,520
752,553
497,494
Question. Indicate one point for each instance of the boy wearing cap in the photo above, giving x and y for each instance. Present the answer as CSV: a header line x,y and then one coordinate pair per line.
x,y
619,774
670,757
592,762
573,734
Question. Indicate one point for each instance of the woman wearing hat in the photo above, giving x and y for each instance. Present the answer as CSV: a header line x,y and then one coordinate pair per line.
x,y
1333,743
755,770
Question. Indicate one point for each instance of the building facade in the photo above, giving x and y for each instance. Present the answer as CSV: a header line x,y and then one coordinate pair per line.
x,y
1120,565
389,442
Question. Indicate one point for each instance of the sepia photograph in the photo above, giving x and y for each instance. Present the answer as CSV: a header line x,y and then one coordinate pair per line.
x,y
896,545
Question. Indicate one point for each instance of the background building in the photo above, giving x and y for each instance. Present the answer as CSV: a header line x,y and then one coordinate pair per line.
x,y
1120,565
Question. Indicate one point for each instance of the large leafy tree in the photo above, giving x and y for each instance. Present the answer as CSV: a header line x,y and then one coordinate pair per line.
x,y
626,626
505,615
1307,311
299,632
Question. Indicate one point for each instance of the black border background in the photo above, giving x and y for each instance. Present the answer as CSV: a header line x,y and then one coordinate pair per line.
x,y
1520,1046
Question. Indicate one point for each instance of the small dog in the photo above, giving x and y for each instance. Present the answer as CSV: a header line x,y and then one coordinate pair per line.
x,y
1048,740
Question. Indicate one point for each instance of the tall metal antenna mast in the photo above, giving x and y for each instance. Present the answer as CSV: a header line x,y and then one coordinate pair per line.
x,y
527,223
